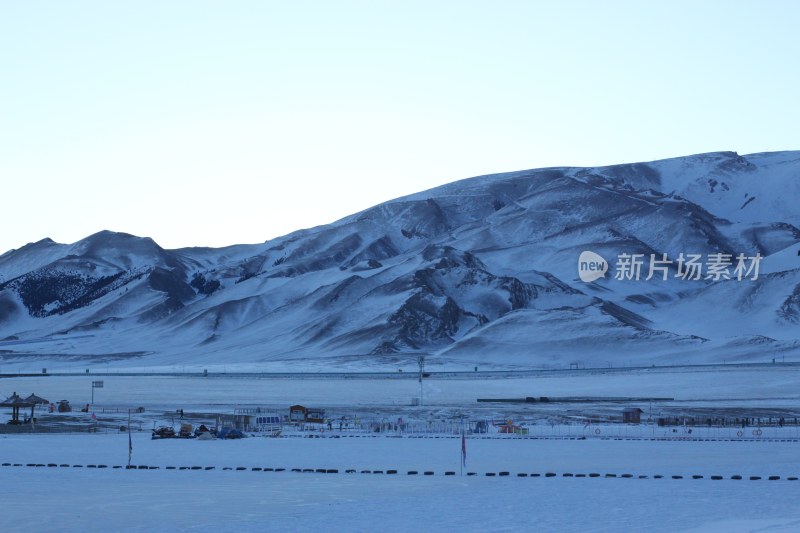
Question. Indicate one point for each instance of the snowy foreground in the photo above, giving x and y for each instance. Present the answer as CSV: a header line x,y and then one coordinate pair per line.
x,y
234,497
67,498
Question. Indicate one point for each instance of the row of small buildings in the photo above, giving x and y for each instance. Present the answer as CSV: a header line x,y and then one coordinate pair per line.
x,y
266,420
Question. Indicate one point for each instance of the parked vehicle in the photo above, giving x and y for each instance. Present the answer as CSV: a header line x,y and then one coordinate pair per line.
x,y
202,428
230,433
163,432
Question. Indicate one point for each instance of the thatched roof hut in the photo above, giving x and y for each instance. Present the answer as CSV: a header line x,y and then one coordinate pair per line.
x,y
38,400
15,401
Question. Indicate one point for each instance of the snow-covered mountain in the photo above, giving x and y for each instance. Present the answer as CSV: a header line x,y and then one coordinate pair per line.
x,y
480,271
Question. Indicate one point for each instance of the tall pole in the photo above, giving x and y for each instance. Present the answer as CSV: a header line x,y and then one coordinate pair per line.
x,y
421,363
130,441
463,448
462,455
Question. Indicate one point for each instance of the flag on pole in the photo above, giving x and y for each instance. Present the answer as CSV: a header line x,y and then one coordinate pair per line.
x,y
94,416
463,450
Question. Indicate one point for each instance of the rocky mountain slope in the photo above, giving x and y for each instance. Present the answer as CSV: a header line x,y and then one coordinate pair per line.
x,y
480,271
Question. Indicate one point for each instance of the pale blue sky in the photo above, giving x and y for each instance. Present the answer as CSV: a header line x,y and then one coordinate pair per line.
x,y
214,123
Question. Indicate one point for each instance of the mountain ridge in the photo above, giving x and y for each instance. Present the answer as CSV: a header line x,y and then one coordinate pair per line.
x,y
482,270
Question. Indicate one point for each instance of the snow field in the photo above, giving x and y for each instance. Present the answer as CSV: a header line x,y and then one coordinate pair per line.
x,y
775,384
73,499
67,499
638,457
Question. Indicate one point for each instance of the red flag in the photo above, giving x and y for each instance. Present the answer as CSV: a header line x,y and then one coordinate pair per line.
x,y
94,416
463,450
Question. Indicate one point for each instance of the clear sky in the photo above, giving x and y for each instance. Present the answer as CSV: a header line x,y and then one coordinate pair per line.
x,y
215,123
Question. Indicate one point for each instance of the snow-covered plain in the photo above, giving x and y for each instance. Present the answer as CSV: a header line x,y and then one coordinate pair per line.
x,y
66,498
92,499
713,384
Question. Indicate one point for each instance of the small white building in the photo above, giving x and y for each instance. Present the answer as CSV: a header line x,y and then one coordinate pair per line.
x,y
256,419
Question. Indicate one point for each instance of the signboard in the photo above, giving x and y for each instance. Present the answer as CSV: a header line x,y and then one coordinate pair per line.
x,y
97,384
